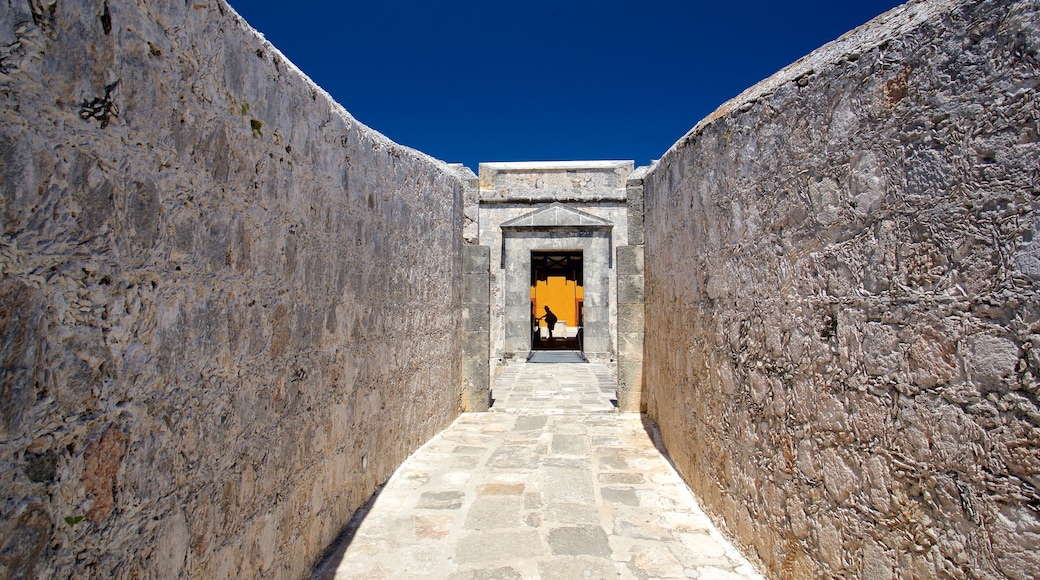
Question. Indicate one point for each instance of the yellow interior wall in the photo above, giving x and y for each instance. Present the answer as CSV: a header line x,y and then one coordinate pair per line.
x,y
560,295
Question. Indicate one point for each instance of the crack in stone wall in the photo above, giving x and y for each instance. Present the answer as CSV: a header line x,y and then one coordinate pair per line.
x,y
842,301
227,309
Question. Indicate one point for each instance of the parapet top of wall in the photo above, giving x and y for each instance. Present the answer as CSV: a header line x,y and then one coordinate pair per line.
x,y
546,181
887,27
465,174
380,141
110,78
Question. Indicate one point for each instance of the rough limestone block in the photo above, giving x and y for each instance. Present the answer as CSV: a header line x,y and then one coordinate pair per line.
x,y
630,317
476,317
630,387
476,260
476,394
630,346
630,289
636,214
476,289
630,260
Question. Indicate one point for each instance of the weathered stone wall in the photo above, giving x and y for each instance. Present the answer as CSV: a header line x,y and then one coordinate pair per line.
x,y
843,301
227,310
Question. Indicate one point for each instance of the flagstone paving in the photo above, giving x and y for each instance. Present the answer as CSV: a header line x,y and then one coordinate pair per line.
x,y
552,483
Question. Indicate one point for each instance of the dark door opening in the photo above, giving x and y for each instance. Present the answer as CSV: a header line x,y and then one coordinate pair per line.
x,y
557,296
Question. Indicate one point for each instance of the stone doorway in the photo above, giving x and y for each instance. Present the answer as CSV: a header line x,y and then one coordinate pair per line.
x,y
517,213
565,234
557,284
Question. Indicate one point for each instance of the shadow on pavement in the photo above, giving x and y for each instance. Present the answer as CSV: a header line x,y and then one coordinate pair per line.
x,y
326,567
654,433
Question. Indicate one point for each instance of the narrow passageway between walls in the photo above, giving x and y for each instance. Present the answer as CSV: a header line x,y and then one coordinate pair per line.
x,y
552,483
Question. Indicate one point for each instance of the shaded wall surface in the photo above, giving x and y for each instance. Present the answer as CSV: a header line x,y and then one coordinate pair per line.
x,y
843,316
227,310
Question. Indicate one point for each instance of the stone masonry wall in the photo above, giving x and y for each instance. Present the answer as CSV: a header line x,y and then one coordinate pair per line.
x,y
843,301
227,309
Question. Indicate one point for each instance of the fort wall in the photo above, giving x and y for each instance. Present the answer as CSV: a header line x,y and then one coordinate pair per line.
x,y
843,301
228,310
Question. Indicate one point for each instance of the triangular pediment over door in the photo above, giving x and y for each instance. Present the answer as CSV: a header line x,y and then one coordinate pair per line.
x,y
557,215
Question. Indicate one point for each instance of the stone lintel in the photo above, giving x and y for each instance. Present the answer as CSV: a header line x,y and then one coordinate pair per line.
x,y
544,181
612,197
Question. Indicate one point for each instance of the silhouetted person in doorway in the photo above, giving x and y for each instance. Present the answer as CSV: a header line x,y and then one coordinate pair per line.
x,y
550,320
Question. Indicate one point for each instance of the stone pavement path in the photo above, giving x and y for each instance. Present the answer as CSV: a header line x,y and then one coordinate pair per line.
x,y
553,483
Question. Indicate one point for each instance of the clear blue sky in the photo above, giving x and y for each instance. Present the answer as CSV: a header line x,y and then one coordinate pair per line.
x,y
539,80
